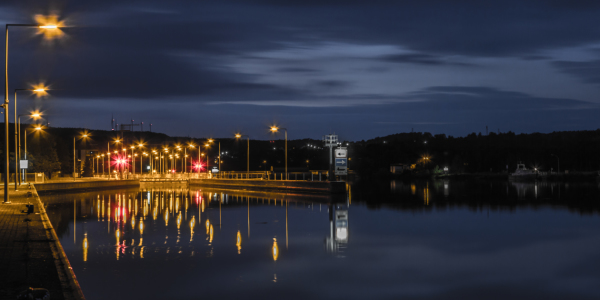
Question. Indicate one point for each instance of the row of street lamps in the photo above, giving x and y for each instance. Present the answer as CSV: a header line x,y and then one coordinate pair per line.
x,y
43,28
162,166
160,157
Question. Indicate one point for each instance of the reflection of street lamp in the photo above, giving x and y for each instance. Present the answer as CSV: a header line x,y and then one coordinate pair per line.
x,y
275,250
275,129
238,136
5,104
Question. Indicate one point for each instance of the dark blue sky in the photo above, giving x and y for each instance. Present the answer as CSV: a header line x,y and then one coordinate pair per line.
x,y
361,69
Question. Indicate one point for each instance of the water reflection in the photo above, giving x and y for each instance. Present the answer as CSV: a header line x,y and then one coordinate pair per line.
x,y
443,237
127,217
424,195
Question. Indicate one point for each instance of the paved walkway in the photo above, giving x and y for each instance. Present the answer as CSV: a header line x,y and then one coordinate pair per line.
x,y
27,257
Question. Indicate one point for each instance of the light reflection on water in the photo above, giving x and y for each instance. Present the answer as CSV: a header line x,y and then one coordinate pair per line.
x,y
434,239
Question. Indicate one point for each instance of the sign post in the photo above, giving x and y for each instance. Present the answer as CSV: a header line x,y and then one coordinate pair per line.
x,y
23,164
341,161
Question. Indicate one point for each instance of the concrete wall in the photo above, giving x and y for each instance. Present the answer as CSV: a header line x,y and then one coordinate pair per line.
x,y
85,185
317,187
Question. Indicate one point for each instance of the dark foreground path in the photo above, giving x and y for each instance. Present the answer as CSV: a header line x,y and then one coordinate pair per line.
x,y
30,256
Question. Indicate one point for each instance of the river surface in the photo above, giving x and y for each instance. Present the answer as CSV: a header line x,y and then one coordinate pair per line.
x,y
383,240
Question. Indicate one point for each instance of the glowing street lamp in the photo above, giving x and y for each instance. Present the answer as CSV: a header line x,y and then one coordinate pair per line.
x,y
276,129
39,90
239,136
45,27
34,115
84,135
38,128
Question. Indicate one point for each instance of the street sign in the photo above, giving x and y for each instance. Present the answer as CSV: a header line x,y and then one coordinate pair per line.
x,y
23,163
341,153
341,166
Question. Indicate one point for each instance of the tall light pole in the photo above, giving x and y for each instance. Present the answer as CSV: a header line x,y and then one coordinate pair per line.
x,y
17,157
35,115
5,104
238,136
84,135
133,159
207,145
275,129
117,141
199,158
38,128
141,145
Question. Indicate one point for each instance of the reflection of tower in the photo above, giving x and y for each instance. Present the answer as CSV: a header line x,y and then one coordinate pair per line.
x,y
337,240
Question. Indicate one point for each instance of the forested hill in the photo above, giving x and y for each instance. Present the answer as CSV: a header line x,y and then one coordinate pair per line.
x,y
576,151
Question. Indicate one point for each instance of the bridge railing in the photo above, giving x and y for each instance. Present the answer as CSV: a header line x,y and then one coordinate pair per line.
x,y
312,175
316,175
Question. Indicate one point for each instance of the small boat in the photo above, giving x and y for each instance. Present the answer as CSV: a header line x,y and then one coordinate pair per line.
x,y
523,174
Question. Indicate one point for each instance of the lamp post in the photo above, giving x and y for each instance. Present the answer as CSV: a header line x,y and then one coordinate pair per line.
x,y
83,136
207,145
207,161
275,129
17,156
238,136
140,145
102,164
199,160
133,159
558,161
35,115
38,128
5,104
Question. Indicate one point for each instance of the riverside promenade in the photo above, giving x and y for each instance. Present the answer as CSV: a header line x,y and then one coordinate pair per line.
x,y
30,254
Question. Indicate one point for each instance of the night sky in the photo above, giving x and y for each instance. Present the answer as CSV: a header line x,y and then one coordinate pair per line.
x,y
361,69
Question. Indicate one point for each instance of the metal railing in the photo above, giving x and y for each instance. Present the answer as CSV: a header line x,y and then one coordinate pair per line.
x,y
313,175
176,176
269,175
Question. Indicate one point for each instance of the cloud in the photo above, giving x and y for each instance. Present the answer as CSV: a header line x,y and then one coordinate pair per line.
x,y
420,59
586,71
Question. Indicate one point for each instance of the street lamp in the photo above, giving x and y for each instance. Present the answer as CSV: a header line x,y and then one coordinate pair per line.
x,y
42,27
36,129
141,145
40,91
207,145
199,160
238,136
35,115
275,129
116,141
84,136
133,159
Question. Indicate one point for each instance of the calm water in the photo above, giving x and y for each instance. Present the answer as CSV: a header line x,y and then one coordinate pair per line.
x,y
386,240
